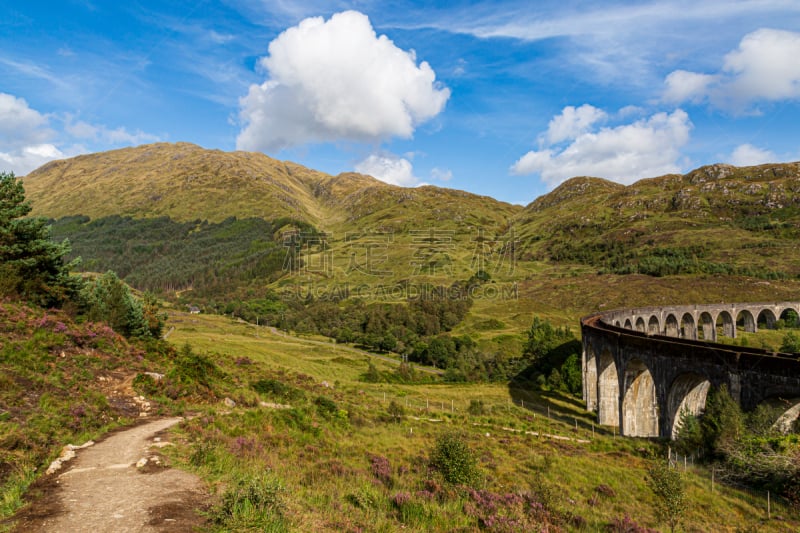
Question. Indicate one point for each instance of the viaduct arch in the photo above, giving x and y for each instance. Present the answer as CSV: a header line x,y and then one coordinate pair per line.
x,y
642,367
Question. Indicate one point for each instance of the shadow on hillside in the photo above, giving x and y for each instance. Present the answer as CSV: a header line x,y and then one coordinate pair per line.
x,y
555,405
526,392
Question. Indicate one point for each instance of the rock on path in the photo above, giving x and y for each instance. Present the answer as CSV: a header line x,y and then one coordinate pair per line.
x,y
104,491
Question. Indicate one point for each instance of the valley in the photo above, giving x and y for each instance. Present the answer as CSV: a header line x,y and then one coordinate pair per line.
x,y
329,336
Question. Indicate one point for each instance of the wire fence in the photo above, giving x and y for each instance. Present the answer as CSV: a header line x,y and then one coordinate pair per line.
x,y
774,506
544,420
537,418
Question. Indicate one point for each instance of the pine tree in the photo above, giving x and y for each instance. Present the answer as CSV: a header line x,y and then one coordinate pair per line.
x,y
31,265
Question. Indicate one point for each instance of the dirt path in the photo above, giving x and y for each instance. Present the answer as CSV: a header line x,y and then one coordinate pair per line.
x,y
103,490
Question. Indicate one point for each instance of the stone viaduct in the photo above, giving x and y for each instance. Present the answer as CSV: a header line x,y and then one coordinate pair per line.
x,y
642,367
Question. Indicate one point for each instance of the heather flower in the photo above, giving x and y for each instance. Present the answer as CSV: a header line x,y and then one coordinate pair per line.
x,y
382,470
401,498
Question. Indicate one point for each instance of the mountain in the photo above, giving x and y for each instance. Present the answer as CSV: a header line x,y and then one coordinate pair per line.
x,y
186,182
715,219
231,225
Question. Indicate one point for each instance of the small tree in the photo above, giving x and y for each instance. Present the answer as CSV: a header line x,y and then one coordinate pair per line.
x,y
689,436
396,411
791,343
667,486
454,460
572,375
31,265
722,422
372,375
542,338
108,299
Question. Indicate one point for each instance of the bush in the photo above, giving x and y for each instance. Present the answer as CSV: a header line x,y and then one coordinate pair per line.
x,y
146,385
382,470
689,436
108,299
326,407
372,375
572,375
396,411
626,524
667,486
476,408
253,503
191,368
454,460
791,343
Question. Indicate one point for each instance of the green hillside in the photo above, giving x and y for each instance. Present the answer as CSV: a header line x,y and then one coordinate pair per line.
x,y
713,220
308,418
280,244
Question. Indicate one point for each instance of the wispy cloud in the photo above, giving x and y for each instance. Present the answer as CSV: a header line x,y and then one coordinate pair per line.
x,y
34,70
98,133
615,41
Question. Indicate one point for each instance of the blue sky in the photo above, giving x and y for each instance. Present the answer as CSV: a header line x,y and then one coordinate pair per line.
x,y
506,99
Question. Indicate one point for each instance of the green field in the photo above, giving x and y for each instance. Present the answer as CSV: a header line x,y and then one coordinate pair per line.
x,y
586,476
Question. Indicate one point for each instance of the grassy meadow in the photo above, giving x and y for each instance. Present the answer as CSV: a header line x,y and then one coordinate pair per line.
x,y
311,446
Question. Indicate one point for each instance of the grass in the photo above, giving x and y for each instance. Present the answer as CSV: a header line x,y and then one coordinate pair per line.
x,y
324,460
324,451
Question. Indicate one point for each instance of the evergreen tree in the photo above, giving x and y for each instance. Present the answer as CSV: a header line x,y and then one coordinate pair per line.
x,y
722,422
108,299
31,265
542,338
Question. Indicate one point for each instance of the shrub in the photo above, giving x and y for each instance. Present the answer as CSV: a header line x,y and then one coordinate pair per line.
x,y
382,470
626,524
326,407
791,343
372,375
191,367
476,408
667,486
454,460
365,498
253,502
278,390
270,386
146,385
396,411
689,437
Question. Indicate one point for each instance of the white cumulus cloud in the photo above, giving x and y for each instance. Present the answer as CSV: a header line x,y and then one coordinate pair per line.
x,y
625,153
29,158
765,67
24,136
337,79
572,122
685,86
19,124
389,168
28,139
747,155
